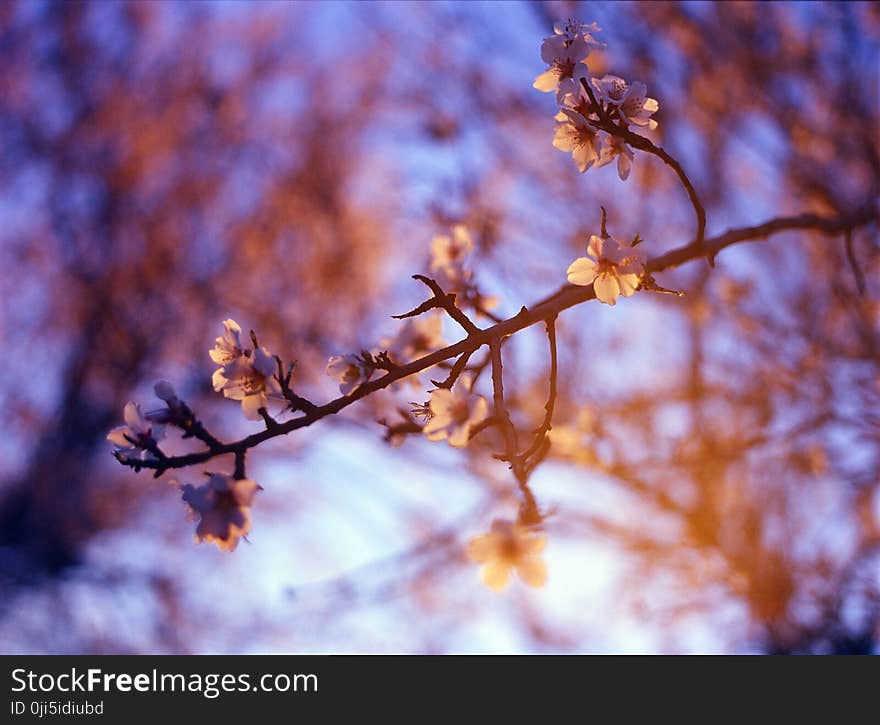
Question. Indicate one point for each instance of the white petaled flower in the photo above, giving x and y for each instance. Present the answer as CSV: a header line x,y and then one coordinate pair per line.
x,y
251,379
631,101
576,100
418,336
137,431
509,547
228,347
223,507
612,268
574,134
454,413
448,255
572,28
565,58
615,147
349,370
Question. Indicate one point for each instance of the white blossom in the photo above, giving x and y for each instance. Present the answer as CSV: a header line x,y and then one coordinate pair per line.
x,y
417,336
611,267
228,347
137,431
448,256
350,370
578,100
251,379
631,101
454,413
571,28
223,507
509,546
615,147
565,58
574,134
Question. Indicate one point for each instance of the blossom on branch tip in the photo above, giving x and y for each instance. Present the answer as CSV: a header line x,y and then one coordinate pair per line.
x,y
565,57
250,379
509,546
448,255
246,375
630,100
137,433
228,347
572,28
454,413
350,370
165,391
612,268
574,134
417,336
223,507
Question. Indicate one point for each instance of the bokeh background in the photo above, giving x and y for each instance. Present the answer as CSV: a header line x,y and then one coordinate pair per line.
x,y
714,473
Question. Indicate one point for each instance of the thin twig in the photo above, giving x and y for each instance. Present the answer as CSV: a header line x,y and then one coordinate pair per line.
x,y
854,263
501,414
440,300
547,423
644,144
456,371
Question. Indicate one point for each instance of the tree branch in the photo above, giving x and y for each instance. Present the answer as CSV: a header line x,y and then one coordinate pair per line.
x,y
644,144
440,300
567,296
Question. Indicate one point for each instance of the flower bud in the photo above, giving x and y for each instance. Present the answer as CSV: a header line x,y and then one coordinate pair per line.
x,y
165,391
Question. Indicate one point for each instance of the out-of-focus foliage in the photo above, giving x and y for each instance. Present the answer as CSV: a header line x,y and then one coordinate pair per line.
x,y
167,165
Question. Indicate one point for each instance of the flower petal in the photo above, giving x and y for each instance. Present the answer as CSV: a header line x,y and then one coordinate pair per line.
x,y
436,429
117,437
496,574
606,289
532,570
442,401
133,418
480,411
547,81
251,404
624,165
535,544
218,380
263,362
582,271
584,156
481,548
460,436
628,283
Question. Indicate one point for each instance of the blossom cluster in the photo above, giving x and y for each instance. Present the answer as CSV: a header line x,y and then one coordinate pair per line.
x,y
587,103
594,118
246,375
450,266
